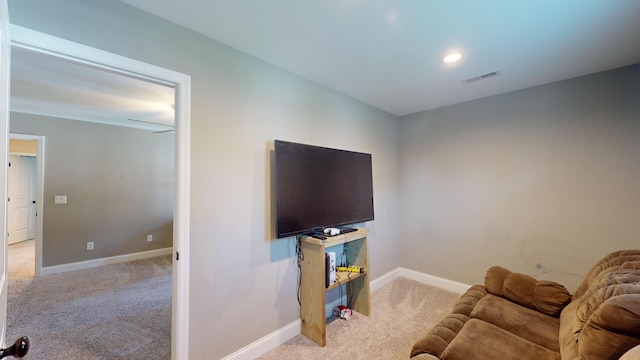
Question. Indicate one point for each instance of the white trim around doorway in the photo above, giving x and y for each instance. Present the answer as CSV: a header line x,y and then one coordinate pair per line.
x,y
39,194
31,40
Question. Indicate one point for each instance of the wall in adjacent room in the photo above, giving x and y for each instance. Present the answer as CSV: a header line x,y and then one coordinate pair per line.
x,y
243,282
543,181
118,182
23,147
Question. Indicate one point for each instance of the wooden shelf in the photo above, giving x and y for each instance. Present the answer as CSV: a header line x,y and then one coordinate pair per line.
x,y
312,284
337,239
344,277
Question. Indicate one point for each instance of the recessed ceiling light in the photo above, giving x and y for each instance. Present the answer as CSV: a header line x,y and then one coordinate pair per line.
x,y
452,58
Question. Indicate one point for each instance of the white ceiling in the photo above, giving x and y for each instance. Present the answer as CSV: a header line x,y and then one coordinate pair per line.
x,y
386,53
45,85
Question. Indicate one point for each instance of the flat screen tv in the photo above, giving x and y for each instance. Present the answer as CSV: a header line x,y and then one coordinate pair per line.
x,y
318,187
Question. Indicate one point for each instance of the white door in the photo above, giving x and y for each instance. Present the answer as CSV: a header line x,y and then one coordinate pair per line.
x,y
22,198
4,140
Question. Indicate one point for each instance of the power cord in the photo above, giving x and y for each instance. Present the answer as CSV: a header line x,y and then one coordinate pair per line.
x,y
345,262
341,311
299,259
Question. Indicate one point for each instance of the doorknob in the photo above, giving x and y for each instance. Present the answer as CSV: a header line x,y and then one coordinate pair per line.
x,y
19,348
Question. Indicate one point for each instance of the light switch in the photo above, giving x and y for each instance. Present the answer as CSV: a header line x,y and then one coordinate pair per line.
x,y
60,199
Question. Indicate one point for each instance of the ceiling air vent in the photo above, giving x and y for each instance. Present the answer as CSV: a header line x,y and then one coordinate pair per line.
x,y
480,77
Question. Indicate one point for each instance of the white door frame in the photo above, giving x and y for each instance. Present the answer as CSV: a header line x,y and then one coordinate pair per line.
x,y
31,40
5,61
39,194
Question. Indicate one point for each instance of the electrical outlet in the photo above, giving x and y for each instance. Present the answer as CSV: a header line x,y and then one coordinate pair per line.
x,y
149,238
90,245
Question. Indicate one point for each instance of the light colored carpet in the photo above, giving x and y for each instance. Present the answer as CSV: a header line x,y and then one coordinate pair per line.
x,y
21,260
401,312
120,311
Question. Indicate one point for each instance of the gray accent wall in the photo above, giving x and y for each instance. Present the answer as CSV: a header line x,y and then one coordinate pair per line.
x,y
243,281
118,182
543,181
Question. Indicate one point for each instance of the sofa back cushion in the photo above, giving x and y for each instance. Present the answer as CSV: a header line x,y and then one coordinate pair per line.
x,y
494,280
547,297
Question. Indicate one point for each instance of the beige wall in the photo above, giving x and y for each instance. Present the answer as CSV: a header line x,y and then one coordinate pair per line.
x,y
544,181
243,282
119,184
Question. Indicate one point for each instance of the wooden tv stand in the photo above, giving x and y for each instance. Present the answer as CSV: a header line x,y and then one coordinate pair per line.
x,y
312,284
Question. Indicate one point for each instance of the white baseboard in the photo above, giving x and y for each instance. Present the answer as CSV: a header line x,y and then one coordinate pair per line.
x,y
81,265
282,335
384,279
267,343
434,280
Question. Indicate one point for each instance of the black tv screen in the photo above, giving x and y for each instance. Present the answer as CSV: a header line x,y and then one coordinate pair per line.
x,y
318,187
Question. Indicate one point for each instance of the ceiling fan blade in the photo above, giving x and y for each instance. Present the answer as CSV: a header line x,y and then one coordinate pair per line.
x,y
152,123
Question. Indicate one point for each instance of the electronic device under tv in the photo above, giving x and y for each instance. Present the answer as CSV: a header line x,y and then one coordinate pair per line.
x,y
319,187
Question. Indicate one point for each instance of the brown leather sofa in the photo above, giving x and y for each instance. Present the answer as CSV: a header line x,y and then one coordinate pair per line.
x,y
516,317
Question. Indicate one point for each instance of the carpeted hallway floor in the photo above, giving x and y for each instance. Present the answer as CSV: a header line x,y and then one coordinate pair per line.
x,y
21,260
120,311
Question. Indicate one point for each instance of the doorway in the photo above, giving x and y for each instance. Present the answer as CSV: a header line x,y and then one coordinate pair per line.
x,y
25,184
30,40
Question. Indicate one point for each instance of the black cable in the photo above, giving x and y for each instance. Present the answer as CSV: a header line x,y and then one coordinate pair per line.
x,y
344,255
339,288
299,259
349,304
350,283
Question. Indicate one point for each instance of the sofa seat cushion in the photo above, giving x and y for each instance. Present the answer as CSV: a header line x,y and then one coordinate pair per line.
x,y
529,324
480,340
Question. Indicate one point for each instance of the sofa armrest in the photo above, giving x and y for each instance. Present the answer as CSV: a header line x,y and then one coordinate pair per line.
x,y
547,297
436,340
